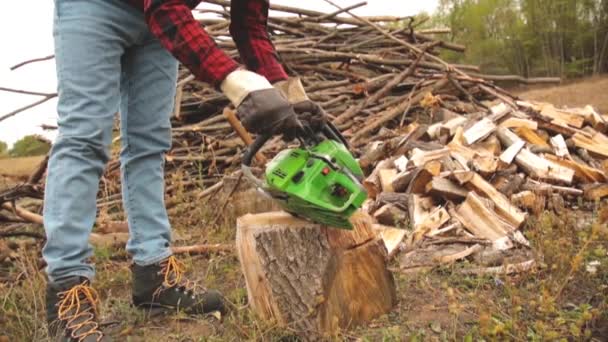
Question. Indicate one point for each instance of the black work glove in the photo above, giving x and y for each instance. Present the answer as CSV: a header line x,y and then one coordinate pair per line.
x,y
266,111
261,108
310,114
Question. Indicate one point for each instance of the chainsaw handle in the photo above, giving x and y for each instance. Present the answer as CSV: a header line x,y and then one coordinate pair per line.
x,y
254,148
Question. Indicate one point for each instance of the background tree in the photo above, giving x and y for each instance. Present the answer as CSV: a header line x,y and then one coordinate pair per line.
x,y
567,38
3,149
30,145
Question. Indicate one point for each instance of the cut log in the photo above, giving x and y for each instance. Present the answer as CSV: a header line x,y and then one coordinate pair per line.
x,y
447,189
481,129
480,220
294,276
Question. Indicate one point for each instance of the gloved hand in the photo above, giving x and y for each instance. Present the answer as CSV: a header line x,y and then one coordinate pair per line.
x,y
261,108
309,113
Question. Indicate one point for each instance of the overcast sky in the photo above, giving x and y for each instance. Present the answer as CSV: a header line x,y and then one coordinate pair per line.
x,y
26,32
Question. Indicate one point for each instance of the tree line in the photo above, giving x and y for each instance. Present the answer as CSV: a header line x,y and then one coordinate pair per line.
x,y
30,145
565,38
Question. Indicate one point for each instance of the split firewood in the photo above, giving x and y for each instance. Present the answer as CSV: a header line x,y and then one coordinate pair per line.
x,y
525,199
533,164
445,188
483,222
559,145
594,144
530,136
392,238
479,130
503,206
561,116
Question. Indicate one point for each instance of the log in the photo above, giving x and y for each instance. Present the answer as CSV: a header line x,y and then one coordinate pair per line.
x,y
294,276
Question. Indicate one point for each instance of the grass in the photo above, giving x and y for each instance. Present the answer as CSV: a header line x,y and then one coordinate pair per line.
x,y
563,300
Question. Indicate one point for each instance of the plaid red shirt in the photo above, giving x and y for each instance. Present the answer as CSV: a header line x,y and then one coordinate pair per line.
x,y
174,25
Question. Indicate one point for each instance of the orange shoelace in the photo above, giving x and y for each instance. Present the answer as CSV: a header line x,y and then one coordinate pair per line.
x,y
71,310
173,271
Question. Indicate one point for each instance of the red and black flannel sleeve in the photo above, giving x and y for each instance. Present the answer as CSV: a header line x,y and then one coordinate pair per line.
x,y
174,25
248,28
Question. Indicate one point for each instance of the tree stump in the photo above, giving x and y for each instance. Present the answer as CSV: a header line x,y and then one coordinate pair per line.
x,y
313,278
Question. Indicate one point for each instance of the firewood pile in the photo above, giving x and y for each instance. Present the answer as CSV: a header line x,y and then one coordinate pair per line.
x,y
455,163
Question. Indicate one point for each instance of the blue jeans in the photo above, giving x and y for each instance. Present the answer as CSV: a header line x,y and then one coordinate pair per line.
x,y
107,61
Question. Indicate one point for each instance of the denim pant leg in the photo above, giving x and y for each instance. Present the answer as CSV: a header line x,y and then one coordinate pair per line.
x,y
148,90
89,42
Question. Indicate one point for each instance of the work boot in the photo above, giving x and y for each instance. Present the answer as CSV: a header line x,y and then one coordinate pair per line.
x,y
163,286
71,311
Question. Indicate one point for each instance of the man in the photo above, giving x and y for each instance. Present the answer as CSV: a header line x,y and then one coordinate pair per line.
x,y
120,55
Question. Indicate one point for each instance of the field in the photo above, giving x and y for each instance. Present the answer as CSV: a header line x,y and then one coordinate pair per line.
x,y
19,167
564,299
573,94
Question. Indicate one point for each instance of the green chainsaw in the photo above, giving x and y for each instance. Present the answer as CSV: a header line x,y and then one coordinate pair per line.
x,y
320,180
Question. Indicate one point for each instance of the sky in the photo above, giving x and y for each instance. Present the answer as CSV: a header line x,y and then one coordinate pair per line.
x,y
26,33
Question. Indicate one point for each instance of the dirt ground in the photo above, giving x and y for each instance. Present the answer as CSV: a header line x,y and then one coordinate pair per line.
x,y
593,91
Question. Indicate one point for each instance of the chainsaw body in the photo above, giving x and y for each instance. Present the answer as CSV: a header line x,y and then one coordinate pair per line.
x,y
319,182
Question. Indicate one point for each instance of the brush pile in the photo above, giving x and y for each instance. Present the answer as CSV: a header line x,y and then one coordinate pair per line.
x,y
455,163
